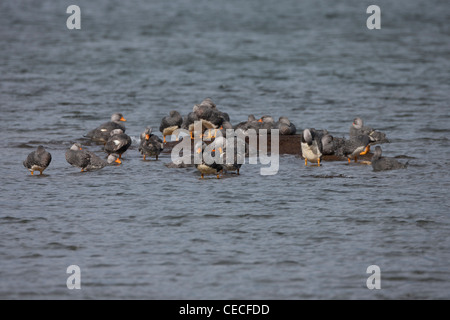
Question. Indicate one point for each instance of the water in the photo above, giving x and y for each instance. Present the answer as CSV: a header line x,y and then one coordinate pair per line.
x,y
146,231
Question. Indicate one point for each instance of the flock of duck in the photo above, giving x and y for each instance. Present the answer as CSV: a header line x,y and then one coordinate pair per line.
x,y
314,143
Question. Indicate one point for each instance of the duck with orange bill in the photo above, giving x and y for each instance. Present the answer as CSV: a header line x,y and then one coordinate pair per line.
x,y
102,133
97,163
86,160
251,123
266,122
150,145
230,158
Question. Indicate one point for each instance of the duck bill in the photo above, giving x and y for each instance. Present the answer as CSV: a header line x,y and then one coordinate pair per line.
x,y
123,119
260,120
147,136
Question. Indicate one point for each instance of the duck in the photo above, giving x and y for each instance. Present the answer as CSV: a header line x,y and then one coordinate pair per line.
x,y
354,147
285,126
38,160
207,110
358,128
226,125
189,119
96,163
202,166
250,124
243,125
87,160
218,132
170,123
76,157
203,111
266,122
150,145
331,144
380,163
102,133
118,143
253,124
229,162
225,116
311,145
209,103
204,126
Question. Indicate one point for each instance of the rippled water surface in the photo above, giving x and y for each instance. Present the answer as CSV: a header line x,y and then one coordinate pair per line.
x,y
143,230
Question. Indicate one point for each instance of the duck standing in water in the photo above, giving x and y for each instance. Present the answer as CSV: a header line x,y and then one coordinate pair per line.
x,y
77,157
86,160
150,145
229,162
203,167
102,133
380,163
354,147
170,123
96,163
38,160
117,143
311,145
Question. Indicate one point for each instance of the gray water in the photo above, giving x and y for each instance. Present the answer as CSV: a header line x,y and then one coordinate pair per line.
x,y
144,231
